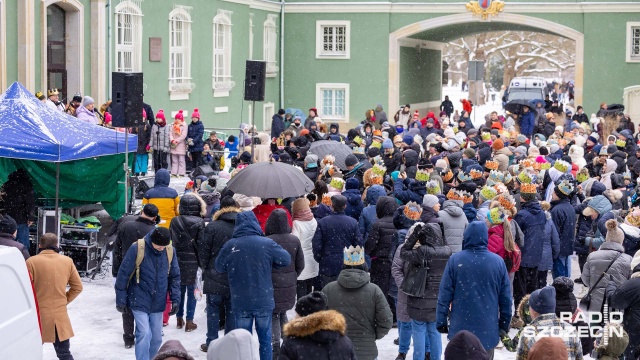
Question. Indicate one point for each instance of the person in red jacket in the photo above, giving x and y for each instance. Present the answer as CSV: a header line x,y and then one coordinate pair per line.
x,y
263,211
466,106
430,115
502,240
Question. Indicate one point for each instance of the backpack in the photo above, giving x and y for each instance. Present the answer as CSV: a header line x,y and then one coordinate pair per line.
x,y
140,257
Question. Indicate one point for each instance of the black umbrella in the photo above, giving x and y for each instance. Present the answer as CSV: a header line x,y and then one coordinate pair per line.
x,y
269,180
516,106
329,147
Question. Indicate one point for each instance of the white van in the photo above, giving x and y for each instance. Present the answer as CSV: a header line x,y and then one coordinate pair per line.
x,y
20,337
526,88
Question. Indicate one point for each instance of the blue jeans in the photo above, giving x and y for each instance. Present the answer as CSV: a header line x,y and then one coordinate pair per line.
x,y
404,336
214,303
191,301
148,334
245,320
23,235
562,266
420,331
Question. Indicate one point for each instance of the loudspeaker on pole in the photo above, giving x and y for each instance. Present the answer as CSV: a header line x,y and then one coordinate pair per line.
x,y
126,99
254,80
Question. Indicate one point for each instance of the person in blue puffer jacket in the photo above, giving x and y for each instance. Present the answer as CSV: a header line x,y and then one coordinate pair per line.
x,y
145,291
354,198
368,215
407,190
527,123
599,209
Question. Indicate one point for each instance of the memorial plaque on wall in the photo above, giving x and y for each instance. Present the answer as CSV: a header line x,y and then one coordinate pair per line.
x,y
155,49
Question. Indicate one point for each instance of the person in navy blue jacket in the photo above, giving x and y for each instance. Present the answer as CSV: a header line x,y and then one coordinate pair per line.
x,y
564,217
248,258
354,198
532,221
334,233
146,296
407,190
195,139
369,215
527,123
475,291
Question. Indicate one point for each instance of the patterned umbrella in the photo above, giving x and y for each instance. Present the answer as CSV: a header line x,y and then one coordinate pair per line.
x,y
269,180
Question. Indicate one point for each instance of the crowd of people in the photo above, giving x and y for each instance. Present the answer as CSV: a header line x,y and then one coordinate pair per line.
x,y
432,225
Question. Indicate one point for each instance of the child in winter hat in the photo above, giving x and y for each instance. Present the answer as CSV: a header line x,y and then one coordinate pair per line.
x,y
195,114
614,234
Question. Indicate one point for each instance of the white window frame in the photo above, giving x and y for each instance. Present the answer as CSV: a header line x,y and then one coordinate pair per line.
x,y
630,26
320,53
270,45
268,110
221,76
128,10
180,81
251,36
320,88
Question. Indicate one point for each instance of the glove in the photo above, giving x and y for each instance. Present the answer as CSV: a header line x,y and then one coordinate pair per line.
x,y
121,308
174,309
509,344
413,239
443,329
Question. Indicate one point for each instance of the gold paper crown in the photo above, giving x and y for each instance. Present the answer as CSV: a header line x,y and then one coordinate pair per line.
x,y
376,179
545,166
40,95
507,178
491,165
379,169
328,160
582,175
376,144
495,177
506,201
464,177
52,92
353,255
501,188
476,174
433,187
422,176
326,199
621,143
454,195
357,140
412,211
561,166
524,178
467,198
488,193
528,163
446,177
337,183
485,136
528,188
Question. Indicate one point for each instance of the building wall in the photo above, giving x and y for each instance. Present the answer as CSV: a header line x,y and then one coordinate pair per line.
x,y
419,75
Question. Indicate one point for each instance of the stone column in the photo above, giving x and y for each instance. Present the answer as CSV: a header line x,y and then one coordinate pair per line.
x,y
26,45
98,51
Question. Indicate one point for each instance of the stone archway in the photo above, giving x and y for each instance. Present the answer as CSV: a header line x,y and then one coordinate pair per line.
x,y
516,19
74,23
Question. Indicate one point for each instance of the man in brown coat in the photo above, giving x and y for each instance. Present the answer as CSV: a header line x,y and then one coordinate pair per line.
x,y
50,274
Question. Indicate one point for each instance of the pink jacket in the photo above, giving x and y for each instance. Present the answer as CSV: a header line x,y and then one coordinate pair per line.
x,y
181,149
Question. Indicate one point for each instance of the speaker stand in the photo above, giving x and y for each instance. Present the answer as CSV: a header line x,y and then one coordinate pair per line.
x,y
253,125
126,170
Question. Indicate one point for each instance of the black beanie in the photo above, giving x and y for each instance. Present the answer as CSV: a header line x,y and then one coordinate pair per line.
x,y
245,157
544,151
350,160
309,304
227,202
7,225
161,236
373,152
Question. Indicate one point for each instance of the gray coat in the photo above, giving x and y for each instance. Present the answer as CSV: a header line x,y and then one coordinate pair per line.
x,y
397,273
596,264
160,138
365,308
454,222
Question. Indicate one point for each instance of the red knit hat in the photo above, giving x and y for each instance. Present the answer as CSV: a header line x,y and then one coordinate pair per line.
x,y
195,114
416,115
144,114
179,115
160,115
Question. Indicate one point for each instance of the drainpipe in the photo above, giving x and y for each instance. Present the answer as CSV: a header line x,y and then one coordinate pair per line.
x,y
109,39
282,105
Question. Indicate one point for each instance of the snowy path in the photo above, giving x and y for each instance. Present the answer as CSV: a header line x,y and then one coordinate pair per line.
x,y
98,327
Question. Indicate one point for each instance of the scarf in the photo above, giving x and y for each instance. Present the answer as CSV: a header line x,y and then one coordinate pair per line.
x,y
303,215
161,123
177,130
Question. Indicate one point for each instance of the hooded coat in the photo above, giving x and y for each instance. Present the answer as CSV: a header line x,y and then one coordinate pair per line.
x,y
248,259
551,245
532,221
436,253
263,211
333,234
454,222
216,234
564,218
475,291
368,215
285,279
365,308
148,295
597,263
236,345
380,241
187,231
128,233
277,125
354,203
470,212
411,163
320,335
304,231
164,197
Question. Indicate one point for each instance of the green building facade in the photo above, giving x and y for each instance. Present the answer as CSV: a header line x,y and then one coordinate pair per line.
x,y
339,57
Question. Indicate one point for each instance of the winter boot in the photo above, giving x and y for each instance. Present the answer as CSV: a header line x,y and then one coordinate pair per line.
x,y
204,348
427,356
190,326
180,323
401,356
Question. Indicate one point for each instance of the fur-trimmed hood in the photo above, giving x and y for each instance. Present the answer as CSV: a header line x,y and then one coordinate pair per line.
x,y
225,211
327,320
192,204
523,310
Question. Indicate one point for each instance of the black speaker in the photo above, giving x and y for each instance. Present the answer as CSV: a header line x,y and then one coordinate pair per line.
x,y
126,99
143,185
254,80
205,170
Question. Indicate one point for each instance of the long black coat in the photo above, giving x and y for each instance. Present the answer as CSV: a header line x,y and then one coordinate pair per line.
x,y
284,279
186,232
129,233
383,232
144,137
627,298
437,255
216,234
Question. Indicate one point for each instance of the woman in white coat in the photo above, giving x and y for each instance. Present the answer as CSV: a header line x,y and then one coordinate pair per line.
x,y
304,227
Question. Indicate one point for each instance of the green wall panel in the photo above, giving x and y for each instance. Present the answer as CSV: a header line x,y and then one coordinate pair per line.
x,y
11,8
419,75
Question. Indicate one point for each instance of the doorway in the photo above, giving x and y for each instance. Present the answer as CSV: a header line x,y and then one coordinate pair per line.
x,y
57,50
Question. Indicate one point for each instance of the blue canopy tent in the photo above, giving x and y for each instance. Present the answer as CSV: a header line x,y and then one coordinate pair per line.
x,y
65,158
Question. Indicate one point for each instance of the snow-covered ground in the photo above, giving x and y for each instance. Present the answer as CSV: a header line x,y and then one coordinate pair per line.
x,y
479,111
98,326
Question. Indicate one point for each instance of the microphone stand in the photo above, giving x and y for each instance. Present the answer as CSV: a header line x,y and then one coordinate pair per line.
x,y
156,155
